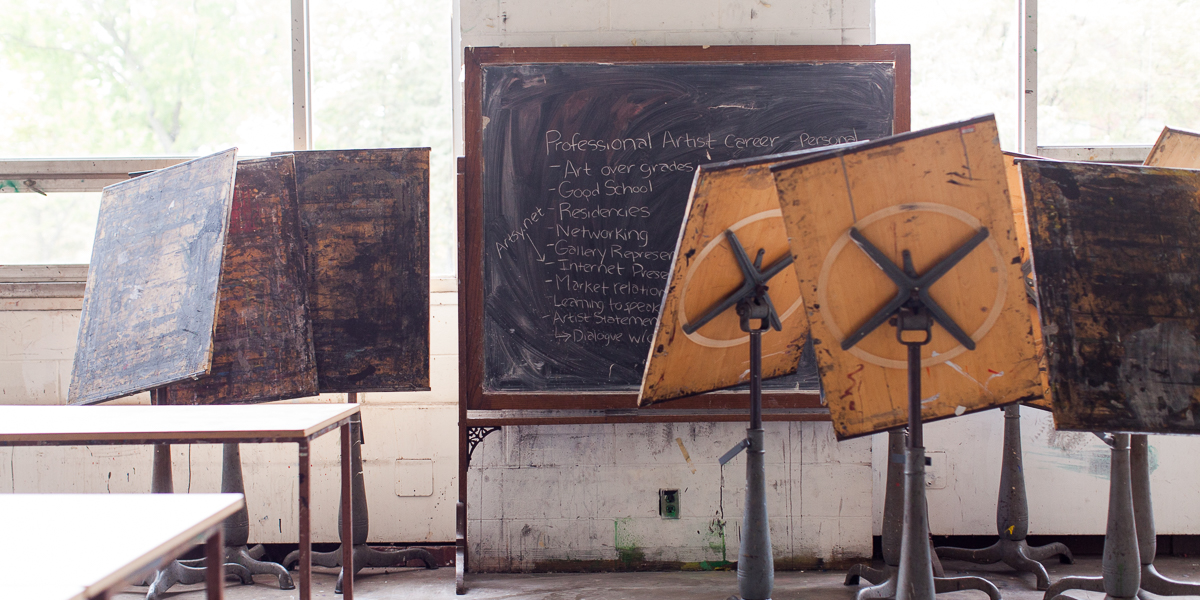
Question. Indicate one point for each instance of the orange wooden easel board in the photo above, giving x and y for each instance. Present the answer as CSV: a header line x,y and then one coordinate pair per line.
x,y
1175,148
739,196
928,192
1016,191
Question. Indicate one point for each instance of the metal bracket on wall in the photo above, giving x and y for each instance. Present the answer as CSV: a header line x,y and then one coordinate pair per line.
x,y
475,435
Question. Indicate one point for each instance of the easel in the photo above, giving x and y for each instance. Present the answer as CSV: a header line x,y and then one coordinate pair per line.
x,y
1012,507
1012,516
884,580
1130,532
364,556
912,310
1129,545
756,566
239,560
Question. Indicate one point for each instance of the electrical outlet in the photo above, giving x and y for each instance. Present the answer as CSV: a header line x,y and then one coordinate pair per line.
x,y
937,470
668,504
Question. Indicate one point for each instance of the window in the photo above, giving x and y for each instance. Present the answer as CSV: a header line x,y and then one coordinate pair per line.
x,y
1108,73
135,79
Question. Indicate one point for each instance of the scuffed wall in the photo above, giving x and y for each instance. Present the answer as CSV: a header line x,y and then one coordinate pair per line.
x,y
587,496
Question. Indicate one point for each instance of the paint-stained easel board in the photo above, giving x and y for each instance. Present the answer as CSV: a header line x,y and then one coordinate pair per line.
x,y
151,298
927,192
1016,191
1116,253
1175,148
738,196
263,346
364,219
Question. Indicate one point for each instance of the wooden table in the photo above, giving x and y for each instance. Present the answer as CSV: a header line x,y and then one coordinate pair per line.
x,y
243,424
85,546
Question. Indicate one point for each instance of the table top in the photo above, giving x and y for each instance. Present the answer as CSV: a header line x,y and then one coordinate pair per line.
x,y
20,425
68,546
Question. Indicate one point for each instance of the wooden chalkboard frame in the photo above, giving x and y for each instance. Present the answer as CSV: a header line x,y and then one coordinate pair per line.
x,y
472,395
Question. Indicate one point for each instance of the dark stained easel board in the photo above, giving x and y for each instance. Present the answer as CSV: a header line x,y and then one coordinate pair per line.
x,y
1116,252
927,192
738,196
1175,148
263,346
578,168
364,220
151,298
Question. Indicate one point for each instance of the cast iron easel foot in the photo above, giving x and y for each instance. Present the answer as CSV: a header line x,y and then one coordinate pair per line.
x,y
1012,516
250,559
885,583
1143,514
178,573
1017,554
240,561
366,557
1158,584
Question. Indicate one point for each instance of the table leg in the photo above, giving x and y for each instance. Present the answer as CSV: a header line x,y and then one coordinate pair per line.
x,y
305,525
214,574
347,515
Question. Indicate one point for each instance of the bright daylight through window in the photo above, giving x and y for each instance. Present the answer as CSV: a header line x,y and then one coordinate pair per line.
x,y
140,78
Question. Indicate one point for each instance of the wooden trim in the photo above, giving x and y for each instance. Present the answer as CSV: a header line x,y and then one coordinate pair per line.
x,y
731,417
628,401
470,209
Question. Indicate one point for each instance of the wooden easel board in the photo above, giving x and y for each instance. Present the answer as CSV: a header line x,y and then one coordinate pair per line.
x,y
151,297
1176,148
738,196
928,192
578,168
1016,192
364,219
1116,251
262,347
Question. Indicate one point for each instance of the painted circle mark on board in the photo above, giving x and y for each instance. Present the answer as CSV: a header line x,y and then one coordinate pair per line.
x,y
696,336
844,240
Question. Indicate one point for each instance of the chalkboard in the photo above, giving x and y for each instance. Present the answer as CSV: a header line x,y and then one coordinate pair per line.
x,y
579,165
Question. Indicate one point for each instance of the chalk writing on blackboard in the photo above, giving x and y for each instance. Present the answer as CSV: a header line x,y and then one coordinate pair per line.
x,y
586,173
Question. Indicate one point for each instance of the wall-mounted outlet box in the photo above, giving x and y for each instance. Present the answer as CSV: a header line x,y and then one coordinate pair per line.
x,y
668,504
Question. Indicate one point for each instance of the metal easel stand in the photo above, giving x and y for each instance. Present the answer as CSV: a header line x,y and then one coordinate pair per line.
x,y
1121,564
1012,516
180,572
1143,514
756,565
237,527
893,523
913,311
364,555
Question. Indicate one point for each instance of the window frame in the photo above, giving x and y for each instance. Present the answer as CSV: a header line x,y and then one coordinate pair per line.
x,y
1028,102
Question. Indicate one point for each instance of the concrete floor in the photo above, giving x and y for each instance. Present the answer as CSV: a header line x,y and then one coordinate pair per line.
x,y
420,584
